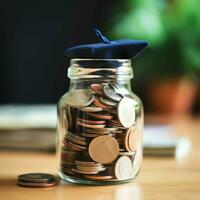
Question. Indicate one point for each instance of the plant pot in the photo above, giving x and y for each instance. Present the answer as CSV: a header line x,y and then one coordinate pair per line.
x,y
172,96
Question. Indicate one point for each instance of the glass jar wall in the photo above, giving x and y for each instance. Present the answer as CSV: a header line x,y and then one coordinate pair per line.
x,y
100,123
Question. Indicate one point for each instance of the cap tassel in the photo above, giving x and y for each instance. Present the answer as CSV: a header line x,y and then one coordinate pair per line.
x,y
101,36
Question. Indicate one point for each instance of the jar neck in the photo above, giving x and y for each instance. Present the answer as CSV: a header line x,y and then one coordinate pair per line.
x,y
84,72
119,69
85,83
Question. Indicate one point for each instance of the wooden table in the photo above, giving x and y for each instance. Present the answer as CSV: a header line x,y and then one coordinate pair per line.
x,y
160,178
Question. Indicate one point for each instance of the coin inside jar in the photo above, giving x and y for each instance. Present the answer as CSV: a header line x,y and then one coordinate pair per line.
x,y
123,168
107,102
126,112
96,88
79,98
101,115
92,109
104,149
111,94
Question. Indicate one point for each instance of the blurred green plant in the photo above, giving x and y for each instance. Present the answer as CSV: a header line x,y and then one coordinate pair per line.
x,y
173,29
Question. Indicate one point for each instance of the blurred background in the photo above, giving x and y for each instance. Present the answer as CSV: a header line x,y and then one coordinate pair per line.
x,y
34,35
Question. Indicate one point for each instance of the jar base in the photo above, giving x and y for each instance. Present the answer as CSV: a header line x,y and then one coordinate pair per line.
x,y
75,180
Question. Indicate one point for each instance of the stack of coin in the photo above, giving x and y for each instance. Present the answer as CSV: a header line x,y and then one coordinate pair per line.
x,y
101,140
83,167
36,180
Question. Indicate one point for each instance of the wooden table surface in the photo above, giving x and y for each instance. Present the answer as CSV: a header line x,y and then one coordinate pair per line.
x,y
160,178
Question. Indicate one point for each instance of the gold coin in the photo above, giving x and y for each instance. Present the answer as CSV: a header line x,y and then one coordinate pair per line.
x,y
123,168
104,149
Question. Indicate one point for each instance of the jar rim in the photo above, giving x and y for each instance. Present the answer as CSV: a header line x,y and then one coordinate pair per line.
x,y
100,68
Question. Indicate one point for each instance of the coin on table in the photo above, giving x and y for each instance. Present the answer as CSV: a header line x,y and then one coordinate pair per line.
x,y
91,109
111,94
101,115
104,149
36,180
79,98
97,89
126,112
123,168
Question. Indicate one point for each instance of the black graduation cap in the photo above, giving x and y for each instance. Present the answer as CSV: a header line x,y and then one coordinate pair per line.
x,y
118,49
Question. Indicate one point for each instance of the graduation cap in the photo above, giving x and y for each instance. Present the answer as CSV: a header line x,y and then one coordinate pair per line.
x,y
117,49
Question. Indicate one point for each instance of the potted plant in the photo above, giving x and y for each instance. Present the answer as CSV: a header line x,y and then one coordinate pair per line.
x,y
171,67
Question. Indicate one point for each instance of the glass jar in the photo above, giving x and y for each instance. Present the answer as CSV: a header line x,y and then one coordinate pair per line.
x,y
100,124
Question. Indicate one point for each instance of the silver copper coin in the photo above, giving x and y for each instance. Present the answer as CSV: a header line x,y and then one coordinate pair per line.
x,y
100,141
91,109
126,112
86,121
36,180
111,94
99,131
96,126
75,136
75,140
92,135
84,172
36,185
123,168
107,102
121,91
87,163
36,177
99,177
101,115
79,98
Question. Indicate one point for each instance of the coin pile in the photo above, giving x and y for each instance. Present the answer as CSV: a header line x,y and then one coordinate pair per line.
x,y
101,140
36,180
